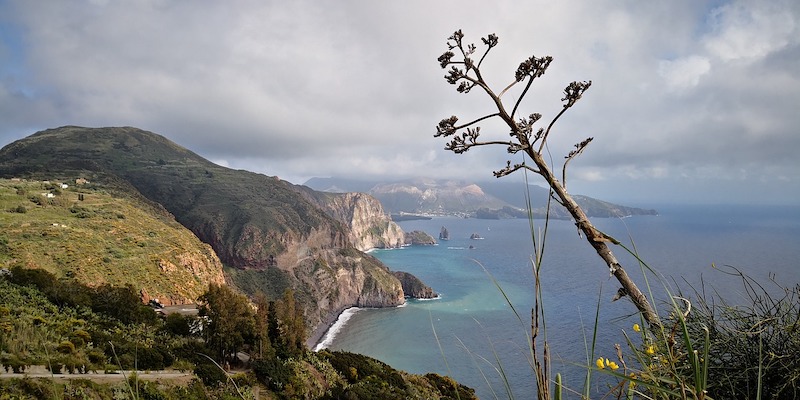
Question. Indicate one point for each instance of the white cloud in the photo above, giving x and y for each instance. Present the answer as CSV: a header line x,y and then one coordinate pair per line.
x,y
750,31
683,73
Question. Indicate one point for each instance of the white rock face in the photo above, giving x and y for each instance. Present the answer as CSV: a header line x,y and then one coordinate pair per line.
x,y
370,226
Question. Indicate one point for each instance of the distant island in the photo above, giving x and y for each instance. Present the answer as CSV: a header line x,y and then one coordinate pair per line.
x,y
409,217
423,198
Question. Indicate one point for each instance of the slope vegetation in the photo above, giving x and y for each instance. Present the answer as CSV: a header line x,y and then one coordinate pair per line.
x,y
99,238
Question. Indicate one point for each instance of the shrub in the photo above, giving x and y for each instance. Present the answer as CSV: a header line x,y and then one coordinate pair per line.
x,y
272,372
66,347
80,337
210,374
177,324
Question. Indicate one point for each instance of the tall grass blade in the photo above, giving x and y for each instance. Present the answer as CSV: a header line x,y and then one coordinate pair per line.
x,y
441,350
590,355
472,356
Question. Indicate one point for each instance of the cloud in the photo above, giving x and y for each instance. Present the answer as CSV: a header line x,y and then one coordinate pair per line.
x,y
683,73
750,31
301,89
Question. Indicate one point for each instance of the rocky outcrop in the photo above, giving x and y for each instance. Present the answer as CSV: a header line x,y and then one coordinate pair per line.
x,y
370,227
419,238
339,279
444,234
413,286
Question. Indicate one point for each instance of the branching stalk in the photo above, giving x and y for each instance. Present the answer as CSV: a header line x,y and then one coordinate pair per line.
x,y
529,70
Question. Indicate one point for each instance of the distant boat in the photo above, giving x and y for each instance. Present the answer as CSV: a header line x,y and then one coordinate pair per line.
x,y
475,236
444,234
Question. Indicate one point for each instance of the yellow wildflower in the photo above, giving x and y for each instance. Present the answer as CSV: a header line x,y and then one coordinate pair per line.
x,y
613,366
599,363
631,384
636,328
650,350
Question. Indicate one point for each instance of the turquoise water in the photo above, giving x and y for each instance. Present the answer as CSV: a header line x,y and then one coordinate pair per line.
x,y
465,332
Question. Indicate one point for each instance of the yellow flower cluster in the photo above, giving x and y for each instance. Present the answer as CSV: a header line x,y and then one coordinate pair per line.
x,y
636,328
603,363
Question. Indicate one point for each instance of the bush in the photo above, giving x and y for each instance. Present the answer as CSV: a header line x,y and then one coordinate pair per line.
x,y
272,372
97,357
66,347
210,374
12,363
177,324
80,337
26,389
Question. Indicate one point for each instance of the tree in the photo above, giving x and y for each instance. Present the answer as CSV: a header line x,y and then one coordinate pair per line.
x,y
465,72
230,321
290,337
263,345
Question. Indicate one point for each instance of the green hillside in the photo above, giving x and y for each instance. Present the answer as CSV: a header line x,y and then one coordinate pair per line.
x,y
101,234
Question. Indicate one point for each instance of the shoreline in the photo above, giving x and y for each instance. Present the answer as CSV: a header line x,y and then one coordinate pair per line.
x,y
316,336
333,324
336,321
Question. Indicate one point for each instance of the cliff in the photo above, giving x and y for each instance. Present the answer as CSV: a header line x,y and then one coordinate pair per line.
x,y
370,227
413,287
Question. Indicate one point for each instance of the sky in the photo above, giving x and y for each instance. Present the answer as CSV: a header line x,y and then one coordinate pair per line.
x,y
691,101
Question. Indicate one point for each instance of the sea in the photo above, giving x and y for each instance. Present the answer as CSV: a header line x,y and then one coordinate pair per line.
x,y
477,331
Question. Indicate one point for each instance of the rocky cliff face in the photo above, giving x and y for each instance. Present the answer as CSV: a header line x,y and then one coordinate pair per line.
x,y
413,287
370,227
339,279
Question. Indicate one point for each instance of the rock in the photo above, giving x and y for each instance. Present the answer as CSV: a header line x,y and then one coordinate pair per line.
x,y
370,227
444,234
419,238
413,287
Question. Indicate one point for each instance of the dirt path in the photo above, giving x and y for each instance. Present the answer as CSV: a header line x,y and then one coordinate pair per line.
x,y
37,371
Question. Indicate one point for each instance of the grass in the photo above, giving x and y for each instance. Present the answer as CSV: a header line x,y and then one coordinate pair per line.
x,y
86,233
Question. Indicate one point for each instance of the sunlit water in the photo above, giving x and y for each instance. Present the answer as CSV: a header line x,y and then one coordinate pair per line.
x,y
471,332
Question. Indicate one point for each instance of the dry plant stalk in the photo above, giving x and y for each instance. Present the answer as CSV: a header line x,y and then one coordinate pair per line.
x,y
466,74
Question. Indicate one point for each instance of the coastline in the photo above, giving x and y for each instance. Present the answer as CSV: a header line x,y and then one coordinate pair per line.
x,y
333,324
319,333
